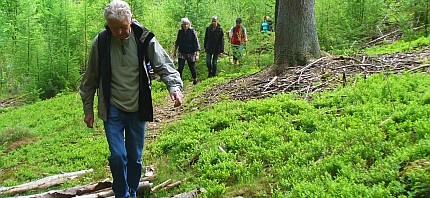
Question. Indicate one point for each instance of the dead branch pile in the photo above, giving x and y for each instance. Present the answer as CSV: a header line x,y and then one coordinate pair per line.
x,y
323,74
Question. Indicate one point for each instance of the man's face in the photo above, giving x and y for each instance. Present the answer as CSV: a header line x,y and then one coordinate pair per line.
x,y
120,28
214,22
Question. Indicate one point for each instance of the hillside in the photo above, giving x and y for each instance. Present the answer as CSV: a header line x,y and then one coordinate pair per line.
x,y
366,139
201,118
326,73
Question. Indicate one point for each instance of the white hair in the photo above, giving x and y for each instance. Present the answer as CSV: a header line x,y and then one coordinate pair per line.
x,y
117,10
185,20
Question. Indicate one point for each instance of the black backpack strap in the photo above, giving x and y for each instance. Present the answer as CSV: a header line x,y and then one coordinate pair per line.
x,y
103,46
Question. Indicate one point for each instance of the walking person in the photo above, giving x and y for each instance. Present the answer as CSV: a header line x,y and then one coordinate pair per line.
x,y
266,25
117,71
238,39
189,48
214,45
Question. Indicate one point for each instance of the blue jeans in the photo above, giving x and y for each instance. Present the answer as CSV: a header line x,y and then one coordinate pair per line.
x,y
211,63
125,161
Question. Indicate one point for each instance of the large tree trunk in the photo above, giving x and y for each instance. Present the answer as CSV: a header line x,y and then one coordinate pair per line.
x,y
296,35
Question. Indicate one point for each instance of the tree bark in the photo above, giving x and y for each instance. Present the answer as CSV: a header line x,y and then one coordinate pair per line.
x,y
296,34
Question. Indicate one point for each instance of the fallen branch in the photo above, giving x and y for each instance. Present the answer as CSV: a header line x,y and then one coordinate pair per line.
x,y
174,184
270,83
148,178
419,67
143,188
192,194
71,192
221,149
380,38
102,193
43,183
309,65
161,185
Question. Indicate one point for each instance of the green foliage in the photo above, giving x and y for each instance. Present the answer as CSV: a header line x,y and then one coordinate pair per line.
x,y
347,25
54,84
367,140
16,134
49,139
370,139
399,46
40,37
354,142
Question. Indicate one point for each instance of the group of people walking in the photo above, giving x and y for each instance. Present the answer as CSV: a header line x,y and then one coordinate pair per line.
x,y
187,44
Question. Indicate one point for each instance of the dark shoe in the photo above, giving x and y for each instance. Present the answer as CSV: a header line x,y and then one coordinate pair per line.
x,y
195,81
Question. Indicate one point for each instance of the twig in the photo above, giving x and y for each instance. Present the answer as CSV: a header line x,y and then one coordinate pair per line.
x,y
310,64
161,185
270,83
419,67
174,184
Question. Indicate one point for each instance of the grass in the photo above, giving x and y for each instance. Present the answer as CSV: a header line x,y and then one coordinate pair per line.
x,y
399,46
284,147
366,140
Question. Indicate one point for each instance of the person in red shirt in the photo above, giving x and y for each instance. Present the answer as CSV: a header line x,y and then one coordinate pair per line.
x,y
238,39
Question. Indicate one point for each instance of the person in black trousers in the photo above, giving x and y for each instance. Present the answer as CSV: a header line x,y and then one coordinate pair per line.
x,y
189,48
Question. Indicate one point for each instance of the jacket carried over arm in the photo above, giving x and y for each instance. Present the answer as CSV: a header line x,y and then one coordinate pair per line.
x,y
97,75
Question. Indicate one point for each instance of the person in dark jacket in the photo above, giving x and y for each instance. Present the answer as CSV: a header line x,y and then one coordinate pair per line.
x,y
118,73
189,48
214,45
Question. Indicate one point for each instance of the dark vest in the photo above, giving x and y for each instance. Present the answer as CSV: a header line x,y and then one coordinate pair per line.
x,y
105,70
187,42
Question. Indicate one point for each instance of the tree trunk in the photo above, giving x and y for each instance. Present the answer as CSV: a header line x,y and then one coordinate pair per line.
x,y
296,35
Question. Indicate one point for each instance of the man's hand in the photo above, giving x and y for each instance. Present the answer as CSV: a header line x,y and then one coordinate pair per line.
x,y
177,98
89,120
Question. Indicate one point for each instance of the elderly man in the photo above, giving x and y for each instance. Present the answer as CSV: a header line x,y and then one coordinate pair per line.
x,y
117,69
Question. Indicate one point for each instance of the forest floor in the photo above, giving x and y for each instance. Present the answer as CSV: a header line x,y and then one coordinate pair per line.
x,y
326,73
322,74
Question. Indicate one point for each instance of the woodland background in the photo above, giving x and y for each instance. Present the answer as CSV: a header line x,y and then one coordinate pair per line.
x,y
45,43
366,136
